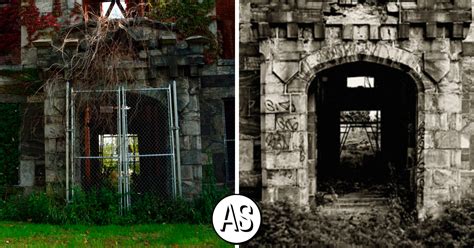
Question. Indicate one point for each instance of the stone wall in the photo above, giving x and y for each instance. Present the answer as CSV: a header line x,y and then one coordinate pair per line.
x,y
162,58
217,85
284,46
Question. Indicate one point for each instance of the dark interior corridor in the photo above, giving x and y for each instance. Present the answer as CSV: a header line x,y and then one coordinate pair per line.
x,y
365,118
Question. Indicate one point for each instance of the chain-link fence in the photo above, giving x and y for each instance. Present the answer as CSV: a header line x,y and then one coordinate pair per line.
x,y
124,140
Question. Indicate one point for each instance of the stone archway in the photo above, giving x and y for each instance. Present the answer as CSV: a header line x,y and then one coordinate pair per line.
x,y
286,170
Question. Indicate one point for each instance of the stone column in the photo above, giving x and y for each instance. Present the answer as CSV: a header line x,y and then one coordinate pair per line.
x,y
284,140
54,137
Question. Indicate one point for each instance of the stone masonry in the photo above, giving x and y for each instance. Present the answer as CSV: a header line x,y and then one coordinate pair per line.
x,y
162,57
283,47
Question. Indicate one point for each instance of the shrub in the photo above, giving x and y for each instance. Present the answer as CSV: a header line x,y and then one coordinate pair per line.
x,y
289,225
101,207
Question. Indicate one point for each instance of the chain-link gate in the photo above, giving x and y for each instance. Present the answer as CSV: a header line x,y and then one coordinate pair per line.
x,y
124,139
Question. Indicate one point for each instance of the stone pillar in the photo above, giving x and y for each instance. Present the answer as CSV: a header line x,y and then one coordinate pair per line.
x,y
190,136
284,140
54,137
442,146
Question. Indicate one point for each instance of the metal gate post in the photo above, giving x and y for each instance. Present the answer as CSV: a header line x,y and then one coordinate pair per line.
x,y
120,158
67,141
73,141
176,134
170,125
125,149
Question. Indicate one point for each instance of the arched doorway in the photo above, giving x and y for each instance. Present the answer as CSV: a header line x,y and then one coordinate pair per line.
x,y
124,140
362,120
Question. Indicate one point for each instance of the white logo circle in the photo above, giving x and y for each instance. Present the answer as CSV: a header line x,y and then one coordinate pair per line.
x,y
236,219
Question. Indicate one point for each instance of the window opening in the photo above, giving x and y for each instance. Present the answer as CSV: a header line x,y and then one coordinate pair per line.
x,y
360,82
113,9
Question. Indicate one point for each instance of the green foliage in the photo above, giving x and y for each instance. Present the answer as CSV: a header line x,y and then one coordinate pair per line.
x,y
10,120
15,234
101,207
191,16
289,225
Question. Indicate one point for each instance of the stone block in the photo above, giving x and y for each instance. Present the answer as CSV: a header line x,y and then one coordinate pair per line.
x,y
431,29
197,172
403,31
437,158
284,103
374,33
285,70
282,160
450,103
186,172
312,187
455,121
246,160
347,32
250,179
289,194
190,127
465,140
302,178
269,194
54,131
429,140
190,157
319,31
290,122
280,178
443,178
27,173
263,30
361,32
436,64
436,121
456,157
447,139
388,33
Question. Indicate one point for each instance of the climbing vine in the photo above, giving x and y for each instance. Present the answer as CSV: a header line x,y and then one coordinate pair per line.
x,y
36,23
10,30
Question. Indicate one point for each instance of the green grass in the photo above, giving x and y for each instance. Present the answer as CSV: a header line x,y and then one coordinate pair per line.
x,y
19,234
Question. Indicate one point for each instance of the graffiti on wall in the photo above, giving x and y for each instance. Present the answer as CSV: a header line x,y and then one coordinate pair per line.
x,y
287,124
420,162
283,106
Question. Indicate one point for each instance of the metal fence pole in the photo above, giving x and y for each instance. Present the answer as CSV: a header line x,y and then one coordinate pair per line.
x,y
125,149
176,133
172,147
120,158
72,141
67,141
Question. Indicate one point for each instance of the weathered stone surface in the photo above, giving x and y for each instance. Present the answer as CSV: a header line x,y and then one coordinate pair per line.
x,y
436,64
285,70
27,173
246,162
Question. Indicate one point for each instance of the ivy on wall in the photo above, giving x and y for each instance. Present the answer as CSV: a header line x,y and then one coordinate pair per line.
x,y
35,22
10,32
10,122
191,18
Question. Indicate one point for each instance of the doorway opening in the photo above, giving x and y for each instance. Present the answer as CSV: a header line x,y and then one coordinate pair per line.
x,y
124,140
363,122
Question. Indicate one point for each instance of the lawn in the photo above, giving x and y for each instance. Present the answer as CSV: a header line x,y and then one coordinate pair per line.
x,y
20,234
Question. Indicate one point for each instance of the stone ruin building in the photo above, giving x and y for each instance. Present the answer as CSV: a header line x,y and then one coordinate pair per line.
x,y
155,133
340,96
